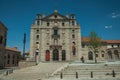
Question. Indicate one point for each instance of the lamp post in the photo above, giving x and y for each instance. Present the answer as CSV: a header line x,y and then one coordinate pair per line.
x,y
36,56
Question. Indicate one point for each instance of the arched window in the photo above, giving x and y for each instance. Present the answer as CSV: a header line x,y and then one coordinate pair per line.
x,y
48,23
37,36
90,55
110,54
63,23
55,16
55,32
73,23
73,36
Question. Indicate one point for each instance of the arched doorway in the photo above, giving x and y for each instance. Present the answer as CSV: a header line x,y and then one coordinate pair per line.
x,y
55,55
110,54
47,56
63,55
116,54
90,55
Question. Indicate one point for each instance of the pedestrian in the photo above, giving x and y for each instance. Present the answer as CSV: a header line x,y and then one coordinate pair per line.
x,y
82,59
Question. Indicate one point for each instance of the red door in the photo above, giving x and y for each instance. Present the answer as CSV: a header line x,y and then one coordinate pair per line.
x,y
47,55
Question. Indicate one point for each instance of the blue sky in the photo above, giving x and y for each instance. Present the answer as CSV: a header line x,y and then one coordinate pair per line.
x,y
102,16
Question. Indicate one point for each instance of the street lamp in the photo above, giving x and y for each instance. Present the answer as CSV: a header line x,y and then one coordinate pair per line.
x,y
36,56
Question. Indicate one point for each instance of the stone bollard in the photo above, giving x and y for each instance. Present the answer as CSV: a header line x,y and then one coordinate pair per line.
x,y
76,75
91,74
7,72
113,73
61,75
12,70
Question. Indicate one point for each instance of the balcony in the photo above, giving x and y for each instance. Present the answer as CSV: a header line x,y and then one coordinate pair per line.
x,y
55,36
55,47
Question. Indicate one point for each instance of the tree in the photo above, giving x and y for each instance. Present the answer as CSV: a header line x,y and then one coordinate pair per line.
x,y
94,43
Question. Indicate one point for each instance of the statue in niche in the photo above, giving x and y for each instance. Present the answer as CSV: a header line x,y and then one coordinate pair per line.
x,y
73,48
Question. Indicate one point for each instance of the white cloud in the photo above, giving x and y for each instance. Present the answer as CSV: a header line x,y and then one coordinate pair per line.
x,y
108,27
115,15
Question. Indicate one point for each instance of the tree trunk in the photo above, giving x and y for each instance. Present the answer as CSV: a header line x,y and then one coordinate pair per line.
x,y
95,58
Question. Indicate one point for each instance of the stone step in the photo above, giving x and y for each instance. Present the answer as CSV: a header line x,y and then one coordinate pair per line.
x,y
83,79
86,76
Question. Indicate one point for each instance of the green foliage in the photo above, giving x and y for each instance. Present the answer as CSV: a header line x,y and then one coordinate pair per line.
x,y
94,41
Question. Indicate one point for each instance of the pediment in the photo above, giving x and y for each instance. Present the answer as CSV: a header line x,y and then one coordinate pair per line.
x,y
55,16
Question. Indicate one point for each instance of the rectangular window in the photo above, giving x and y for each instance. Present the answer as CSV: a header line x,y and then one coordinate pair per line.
x,y
73,23
112,46
48,24
118,45
37,36
96,55
55,32
73,36
63,24
83,46
102,55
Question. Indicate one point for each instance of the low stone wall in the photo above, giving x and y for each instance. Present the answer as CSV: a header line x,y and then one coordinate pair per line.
x,y
24,64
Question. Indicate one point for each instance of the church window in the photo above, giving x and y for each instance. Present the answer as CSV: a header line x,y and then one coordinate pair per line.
x,y
55,32
102,55
73,30
37,42
48,23
73,36
83,46
63,24
72,16
118,45
55,16
112,46
37,36
37,31
73,23
96,55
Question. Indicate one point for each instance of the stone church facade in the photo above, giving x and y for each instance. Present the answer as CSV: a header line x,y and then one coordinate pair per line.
x,y
58,38
55,38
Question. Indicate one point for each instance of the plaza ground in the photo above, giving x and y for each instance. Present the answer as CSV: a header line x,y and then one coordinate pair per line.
x,y
52,71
